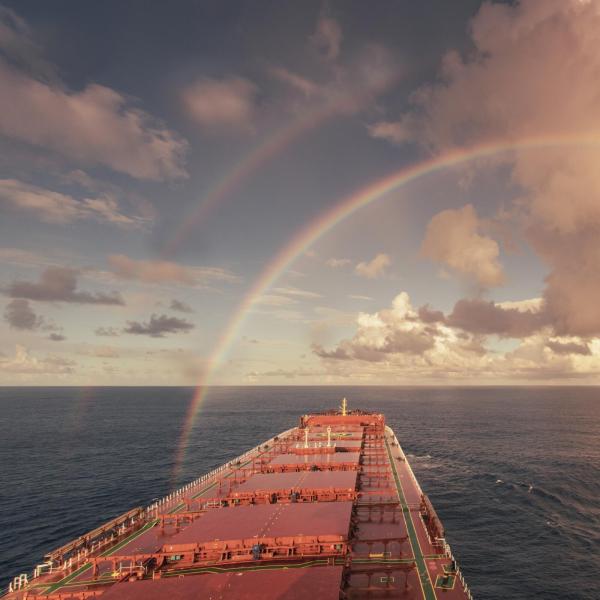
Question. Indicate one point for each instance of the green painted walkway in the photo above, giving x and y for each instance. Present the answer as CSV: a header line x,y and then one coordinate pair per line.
x,y
69,578
428,591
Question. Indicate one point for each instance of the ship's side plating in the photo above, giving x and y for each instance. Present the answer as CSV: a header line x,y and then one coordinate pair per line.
x,y
330,509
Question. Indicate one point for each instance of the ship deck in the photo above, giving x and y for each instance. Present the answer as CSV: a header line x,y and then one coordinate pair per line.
x,y
330,509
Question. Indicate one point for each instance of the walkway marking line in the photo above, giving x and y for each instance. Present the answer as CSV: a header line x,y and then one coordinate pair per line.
x,y
425,580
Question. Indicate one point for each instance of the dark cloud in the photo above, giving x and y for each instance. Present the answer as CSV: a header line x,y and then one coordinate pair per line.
x,y
57,337
487,318
107,332
59,284
396,342
429,315
180,306
409,342
158,326
20,315
338,354
569,348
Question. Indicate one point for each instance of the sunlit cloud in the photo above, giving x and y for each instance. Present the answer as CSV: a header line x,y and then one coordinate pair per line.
x,y
222,103
166,272
375,268
453,239
55,207
94,126
532,73
338,263
24,363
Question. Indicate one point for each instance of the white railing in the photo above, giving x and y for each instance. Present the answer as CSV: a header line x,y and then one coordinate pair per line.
x,y
446,546
183,491
22,581
403,456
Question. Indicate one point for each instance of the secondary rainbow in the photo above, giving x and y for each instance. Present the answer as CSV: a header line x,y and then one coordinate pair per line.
x,y
327,220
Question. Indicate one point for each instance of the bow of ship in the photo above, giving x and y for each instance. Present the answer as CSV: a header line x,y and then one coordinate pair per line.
x,y
329,509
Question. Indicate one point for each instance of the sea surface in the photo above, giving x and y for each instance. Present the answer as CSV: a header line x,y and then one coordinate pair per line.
x,y
514,473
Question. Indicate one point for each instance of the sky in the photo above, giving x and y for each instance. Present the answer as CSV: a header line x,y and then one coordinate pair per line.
x,y
243,193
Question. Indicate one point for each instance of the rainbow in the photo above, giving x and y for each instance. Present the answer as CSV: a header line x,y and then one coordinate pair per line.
x,y
271,147
326,221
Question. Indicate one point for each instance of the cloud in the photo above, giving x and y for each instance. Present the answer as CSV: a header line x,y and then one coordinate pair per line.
x,y
57,337
285,373
486,317
297,293
163,271
429,315
54,207
295,81
24,363
337,263
180,306
222,103
18,45
359,297
19,315
23,258
105,352
401,344
559,347
94,126
375,268
327,38
276,300
158,326
59,284
395,132
107,332
393,331
532,75
453,239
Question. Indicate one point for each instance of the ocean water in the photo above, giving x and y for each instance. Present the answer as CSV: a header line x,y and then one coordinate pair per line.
x,y
514,473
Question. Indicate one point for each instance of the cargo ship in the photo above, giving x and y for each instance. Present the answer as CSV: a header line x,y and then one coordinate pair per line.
x,y
327,510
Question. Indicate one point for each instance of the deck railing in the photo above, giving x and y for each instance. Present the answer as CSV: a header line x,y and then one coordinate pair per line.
x,y
442,541
179,493
22,581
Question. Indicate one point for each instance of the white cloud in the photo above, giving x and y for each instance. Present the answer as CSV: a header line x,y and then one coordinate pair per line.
x,y
453,239
24,363
375,268
225,103
337,263
94,126
297,293
395,132
532,75
400,344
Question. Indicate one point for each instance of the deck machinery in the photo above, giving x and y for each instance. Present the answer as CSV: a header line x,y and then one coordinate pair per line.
x,y
329,509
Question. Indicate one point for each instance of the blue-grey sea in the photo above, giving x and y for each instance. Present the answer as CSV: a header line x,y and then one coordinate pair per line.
x,y
514,473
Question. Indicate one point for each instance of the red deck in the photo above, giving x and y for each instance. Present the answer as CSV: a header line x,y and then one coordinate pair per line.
x,y
275,524
314,519
322,583
312,480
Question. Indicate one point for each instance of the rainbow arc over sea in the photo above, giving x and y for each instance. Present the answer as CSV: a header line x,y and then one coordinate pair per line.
x,y
306,236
